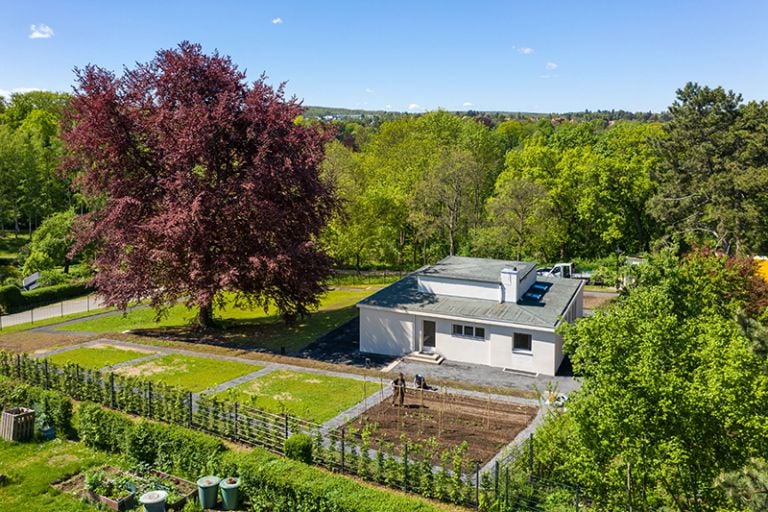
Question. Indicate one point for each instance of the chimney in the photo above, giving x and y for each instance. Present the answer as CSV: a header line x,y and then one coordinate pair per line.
x,y
510,282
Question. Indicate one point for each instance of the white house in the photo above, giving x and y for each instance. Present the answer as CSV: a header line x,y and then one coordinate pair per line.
x,y
493,312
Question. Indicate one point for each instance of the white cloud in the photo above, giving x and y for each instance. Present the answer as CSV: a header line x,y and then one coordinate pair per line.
x,y
6,93
387,106
413,106
551,66
41,31
368,90
525,51
277,21
468,104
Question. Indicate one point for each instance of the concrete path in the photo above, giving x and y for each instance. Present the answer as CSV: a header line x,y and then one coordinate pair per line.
x,y
58,310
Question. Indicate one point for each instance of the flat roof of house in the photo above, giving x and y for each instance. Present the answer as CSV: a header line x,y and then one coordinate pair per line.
x,y
475,269
554,295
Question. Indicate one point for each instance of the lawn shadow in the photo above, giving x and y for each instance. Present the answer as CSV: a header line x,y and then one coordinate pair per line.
x,y
264,334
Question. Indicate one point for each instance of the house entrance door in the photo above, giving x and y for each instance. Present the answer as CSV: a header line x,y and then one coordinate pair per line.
x,y
428,337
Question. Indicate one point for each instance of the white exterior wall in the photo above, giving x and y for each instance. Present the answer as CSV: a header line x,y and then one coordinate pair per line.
x,y
460,288
496,349
386,332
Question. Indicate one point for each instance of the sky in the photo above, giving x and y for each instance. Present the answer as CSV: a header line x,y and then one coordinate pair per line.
x,y
530,56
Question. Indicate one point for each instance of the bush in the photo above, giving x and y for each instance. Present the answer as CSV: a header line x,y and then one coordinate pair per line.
x,y
53,294
11,299
299,447
103,429
172,448
277,484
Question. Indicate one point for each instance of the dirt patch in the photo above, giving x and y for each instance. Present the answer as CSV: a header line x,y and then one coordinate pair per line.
x,y
283,397
486,426
61,459
34,341
124,349
150,368
596,301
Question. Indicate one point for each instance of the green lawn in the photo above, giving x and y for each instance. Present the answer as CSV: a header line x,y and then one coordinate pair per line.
x,y
31,468
191,373
98,356
238,326
10,244
306,395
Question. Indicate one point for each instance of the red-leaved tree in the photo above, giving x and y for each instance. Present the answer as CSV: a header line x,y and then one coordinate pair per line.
x,y
205,184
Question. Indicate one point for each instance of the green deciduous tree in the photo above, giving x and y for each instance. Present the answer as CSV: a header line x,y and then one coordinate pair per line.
x,y
673,391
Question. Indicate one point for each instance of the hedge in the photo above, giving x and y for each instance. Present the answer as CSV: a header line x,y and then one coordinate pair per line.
x,y
166,446
13,299
284,485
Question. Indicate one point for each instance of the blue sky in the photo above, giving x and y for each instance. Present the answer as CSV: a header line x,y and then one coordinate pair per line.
x,y
552,56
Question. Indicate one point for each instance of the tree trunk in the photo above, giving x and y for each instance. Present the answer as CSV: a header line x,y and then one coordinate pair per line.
x,y
205,316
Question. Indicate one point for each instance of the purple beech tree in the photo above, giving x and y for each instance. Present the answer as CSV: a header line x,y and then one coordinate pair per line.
x,y
205,184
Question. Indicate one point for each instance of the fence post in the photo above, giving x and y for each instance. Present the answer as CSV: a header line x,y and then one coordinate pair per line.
x,y
506,488
496,482
236,421
112,403
477,485
342,449
18,366
149,399
62,308
32,315
530,456
189,398
285,420
45,368
405,467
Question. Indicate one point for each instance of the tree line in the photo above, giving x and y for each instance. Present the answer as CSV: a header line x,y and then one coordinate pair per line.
x,y
416,188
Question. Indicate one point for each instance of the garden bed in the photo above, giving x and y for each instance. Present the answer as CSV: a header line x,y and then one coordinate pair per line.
x,y
128,487
485,425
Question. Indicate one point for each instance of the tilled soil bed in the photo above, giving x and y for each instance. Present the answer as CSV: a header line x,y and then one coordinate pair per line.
x,y
487,426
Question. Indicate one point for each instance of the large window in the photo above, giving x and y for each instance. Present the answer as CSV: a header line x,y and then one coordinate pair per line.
x,y
522,342
469,331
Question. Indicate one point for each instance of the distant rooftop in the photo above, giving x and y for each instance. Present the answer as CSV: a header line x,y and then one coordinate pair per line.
x,y
476,269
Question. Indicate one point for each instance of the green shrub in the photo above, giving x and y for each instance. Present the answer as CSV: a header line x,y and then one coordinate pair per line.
x,y
53,294
172,448
278,484
299,447
103,429
11,299
54,406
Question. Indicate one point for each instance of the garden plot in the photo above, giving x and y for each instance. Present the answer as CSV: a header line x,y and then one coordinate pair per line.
x,y
98,356
189,372
310,396
485,425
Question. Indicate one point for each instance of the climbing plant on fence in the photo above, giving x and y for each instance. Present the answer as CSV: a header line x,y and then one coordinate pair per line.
x,y
420,467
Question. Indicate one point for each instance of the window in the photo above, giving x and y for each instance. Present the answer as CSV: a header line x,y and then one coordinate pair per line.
x,y
469,331
522,342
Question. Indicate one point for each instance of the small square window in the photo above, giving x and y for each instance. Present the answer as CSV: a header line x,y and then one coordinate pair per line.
x,y
522,341
458,330
480,332
468,330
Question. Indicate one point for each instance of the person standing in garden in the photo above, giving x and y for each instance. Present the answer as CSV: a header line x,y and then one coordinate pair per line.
x,y
398,386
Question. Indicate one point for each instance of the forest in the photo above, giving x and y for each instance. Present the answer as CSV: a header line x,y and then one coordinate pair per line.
x,y
414,188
